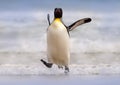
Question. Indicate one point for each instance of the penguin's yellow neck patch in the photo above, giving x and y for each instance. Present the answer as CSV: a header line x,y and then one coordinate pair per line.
x,y
57,20
57,24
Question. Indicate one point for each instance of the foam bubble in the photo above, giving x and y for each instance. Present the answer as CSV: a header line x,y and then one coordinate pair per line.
x,y
101,69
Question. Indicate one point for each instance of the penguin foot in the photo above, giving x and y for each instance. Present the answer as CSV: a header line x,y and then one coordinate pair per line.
x,y
49,65
66,69
60,67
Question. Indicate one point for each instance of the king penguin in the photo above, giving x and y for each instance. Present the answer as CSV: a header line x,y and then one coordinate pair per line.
x,y
58,40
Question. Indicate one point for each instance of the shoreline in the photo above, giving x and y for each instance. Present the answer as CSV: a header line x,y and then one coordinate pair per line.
x,y
41,70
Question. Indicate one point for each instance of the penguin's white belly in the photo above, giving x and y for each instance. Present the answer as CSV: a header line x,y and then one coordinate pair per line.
x,y
58,45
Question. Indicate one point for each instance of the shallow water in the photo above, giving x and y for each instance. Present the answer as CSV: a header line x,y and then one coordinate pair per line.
x,y
61,79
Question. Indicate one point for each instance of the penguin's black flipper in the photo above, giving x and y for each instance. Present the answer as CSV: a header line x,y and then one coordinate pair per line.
x,y
48,18
79,22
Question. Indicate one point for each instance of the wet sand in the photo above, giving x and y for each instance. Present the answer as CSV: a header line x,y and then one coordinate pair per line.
x,y
61,80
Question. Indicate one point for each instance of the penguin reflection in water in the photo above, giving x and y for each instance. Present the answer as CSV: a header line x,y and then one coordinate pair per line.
x,y
58,40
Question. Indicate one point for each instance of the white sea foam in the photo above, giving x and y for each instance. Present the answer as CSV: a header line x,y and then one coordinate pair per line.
x,y
74,70
26,31
28,63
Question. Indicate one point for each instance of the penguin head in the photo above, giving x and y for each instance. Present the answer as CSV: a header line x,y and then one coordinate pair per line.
x,y
58,13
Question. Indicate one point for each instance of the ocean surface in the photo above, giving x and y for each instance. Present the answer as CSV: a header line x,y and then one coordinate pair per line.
x,y
95,46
